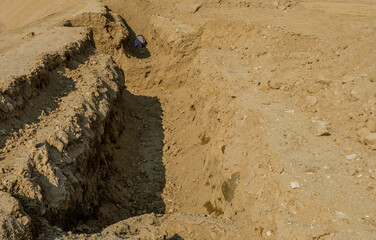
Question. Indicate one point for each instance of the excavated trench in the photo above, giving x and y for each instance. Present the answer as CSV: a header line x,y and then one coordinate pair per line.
x,y
97,153
61,154
137,183
139,140
99,150
210,132
135,176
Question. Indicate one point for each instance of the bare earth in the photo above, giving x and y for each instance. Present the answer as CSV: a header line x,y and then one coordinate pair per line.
x,y
241,119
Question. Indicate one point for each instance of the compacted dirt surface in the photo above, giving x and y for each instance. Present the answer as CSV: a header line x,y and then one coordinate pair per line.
x,y
240,119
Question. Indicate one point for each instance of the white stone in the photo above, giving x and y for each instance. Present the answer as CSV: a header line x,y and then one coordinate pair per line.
x,y
340,214
351,156
294,184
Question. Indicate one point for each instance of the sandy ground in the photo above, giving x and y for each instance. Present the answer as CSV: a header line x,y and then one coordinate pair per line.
x,y
15,14
241,119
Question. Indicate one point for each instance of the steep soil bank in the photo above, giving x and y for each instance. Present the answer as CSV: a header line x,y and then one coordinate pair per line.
x,y
61,115
54,164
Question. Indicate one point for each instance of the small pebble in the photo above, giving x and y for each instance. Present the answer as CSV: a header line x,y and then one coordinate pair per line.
x,y
264,86
320,128
370,139
274,85
340,214
294,184
371,125
351,156
311,100
363,132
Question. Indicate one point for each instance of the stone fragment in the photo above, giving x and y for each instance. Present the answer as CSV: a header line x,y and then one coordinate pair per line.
x,y
311,100
370,139
274,85
315,88
363,132
356,93
371,125
294,185
195,8
351,156
320,128
67,23
340,214
264,86
323,80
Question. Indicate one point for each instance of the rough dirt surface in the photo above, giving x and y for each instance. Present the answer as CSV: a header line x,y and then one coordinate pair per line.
x,y
240,120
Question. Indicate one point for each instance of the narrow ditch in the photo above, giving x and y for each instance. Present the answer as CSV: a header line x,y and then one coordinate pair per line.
x,y
135,179
96,157
136,176
133,175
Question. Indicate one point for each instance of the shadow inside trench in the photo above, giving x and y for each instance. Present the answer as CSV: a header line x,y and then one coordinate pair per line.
x,y
136,176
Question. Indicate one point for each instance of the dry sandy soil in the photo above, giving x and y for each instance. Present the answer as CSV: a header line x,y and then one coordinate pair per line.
x,y
241,119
